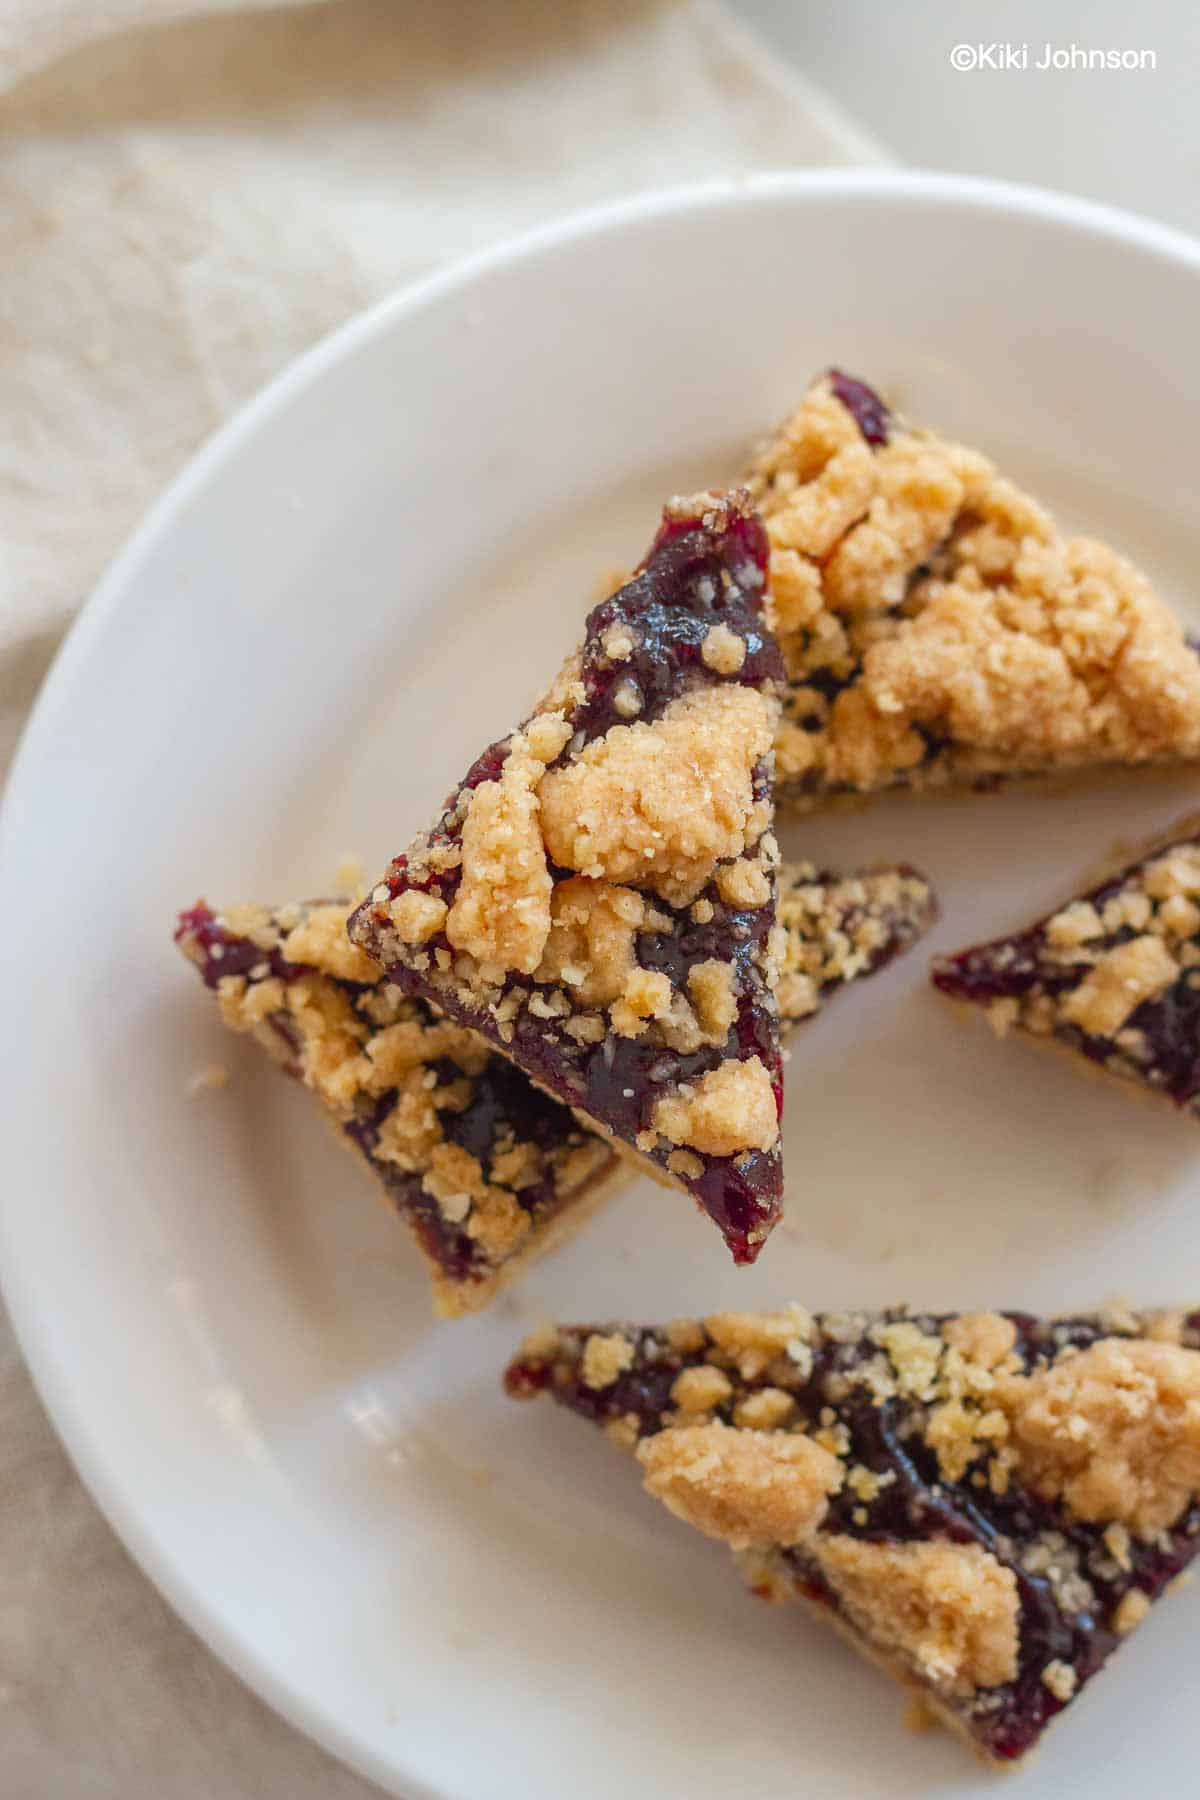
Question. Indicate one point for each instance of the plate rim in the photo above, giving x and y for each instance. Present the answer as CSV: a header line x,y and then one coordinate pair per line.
x,y
117,1501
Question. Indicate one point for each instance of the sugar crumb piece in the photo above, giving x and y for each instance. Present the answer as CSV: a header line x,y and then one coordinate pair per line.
x,y
685,1164
1130,1612
745,1487
604,1359
753,1341
723,650
700,1388
622,1432
730,1108
985,1338
1076,924
685,1335
319,940
1061,1680
660,805
952,1609
712,989
744,883
1125,977
417,917
501,912
647,993
590,945
547,735
1113,1431
766,1409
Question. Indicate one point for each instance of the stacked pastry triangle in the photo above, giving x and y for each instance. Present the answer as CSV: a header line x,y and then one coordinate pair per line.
x,y
487,1170
596,898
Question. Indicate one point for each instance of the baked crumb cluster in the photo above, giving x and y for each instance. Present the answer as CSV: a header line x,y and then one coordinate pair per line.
x,y
935,624
478,1162
1114,974
988,1502
597,897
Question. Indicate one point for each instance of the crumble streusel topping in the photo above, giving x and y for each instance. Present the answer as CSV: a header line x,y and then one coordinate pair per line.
x,y
950,1609
662,804
1113,975
1114,1431
989,1501
501,910
935,624
731,1108
743,1486
597,896
604,1358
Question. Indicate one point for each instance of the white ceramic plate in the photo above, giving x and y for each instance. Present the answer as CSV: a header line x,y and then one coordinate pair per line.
x,y
355,585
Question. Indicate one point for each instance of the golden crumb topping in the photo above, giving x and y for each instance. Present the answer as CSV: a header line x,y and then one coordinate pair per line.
x,y
593,925
765,1409
744,882
501,912
1174,875
943,604
754,1340
730,1108
700,1387
604,1358
985,1338
1131,1610
746,1487
661,804
320,940
1140,969
952,1610
723,650
1113,1431
1061,1679
712,989
416,916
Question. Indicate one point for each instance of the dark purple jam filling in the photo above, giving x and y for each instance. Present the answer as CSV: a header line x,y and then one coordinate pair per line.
x,y
864,406
1017,966
503,1105
226,954
918,1504
692,579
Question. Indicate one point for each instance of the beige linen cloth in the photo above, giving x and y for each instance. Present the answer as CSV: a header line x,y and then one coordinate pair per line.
x,y
192,192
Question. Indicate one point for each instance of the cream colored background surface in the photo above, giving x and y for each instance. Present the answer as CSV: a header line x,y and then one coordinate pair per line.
x,y
191,193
